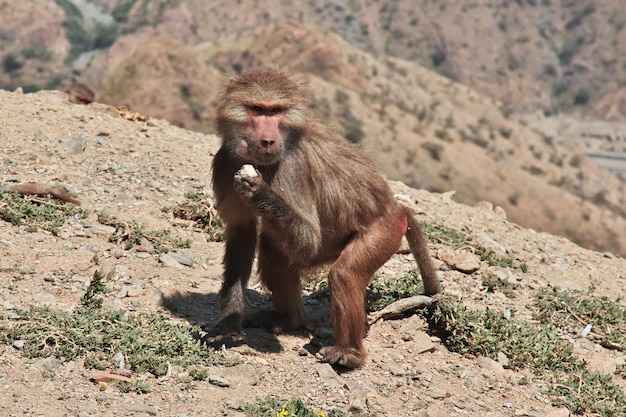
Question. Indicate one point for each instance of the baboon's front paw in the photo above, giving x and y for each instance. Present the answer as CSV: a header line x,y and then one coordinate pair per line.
x,y
346,357
248,187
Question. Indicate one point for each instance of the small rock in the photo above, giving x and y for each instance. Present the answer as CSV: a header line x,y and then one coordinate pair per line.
x,y
356,389
503,274
503,359
422,343
119,360
500,212
242,375
328,375
438,394
49,367
490,366
77,145
358,406
463,261
45,298
181,259
134,292
405,198
413,324
465,373
466,262
19,344
218,381
484,205
169,261
103,230
398,370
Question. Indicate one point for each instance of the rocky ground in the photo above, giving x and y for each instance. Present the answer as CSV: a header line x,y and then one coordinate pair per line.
x,y
133,169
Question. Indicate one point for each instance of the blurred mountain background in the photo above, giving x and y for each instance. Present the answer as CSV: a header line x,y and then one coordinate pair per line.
x,y
521,103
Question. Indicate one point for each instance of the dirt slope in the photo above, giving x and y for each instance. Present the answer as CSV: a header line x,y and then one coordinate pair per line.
x,y
133,169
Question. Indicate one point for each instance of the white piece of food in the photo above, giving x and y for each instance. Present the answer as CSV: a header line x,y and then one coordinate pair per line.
x,y
248,170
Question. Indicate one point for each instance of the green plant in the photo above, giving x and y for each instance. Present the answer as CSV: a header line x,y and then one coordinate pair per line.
x,y
540,347
451,237
488,332
573,310
199,208
382,292
273,407
354,132
138,387
36,212
37,52
588,393
131,234
96,287
494,283
148,341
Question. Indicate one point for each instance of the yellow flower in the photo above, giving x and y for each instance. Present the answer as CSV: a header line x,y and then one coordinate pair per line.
x,y
322,414
284,413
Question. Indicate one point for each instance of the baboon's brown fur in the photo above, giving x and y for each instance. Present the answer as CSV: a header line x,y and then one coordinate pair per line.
x,y
319,200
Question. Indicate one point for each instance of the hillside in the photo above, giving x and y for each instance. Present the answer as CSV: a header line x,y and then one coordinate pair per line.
x,y
168,59
137,171
435,134
552,56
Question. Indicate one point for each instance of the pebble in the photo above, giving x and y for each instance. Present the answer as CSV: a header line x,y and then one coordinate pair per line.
x,y
328,375
463,261
413,324
489,366
422,343
169,261
181,259
218,381
503,359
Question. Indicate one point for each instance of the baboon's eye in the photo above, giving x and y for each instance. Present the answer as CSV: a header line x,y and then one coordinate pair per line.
x,y
276,110
257,109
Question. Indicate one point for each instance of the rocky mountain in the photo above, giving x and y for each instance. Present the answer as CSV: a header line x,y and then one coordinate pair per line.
x,y
548,55
376,70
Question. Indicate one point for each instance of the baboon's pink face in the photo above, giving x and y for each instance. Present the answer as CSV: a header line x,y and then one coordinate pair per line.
x,y
262,140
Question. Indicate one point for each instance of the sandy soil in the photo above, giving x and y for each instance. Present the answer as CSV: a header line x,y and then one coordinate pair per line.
x,y
133,169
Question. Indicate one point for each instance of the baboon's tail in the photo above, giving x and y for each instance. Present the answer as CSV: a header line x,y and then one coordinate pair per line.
x,y
419,249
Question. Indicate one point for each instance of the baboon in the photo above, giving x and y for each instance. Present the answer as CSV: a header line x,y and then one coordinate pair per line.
x,y
319,201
